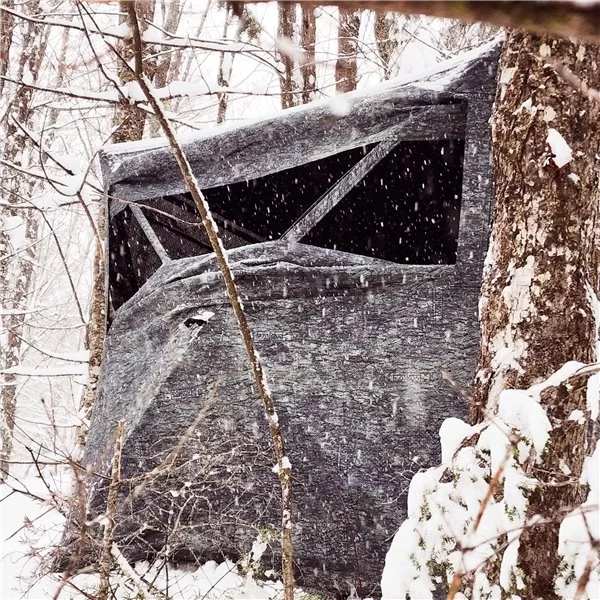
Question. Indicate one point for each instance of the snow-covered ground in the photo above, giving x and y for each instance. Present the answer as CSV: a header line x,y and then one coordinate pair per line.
x,y
31,528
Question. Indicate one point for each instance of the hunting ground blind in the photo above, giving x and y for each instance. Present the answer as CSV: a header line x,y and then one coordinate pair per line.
x,y
357,241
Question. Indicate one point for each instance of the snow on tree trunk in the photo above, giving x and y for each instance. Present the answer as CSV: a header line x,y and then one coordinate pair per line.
x,y
541,276
96,327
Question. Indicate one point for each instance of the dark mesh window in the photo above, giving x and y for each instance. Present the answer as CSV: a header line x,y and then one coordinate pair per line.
x,y
132,259
404,207
405,210
269,205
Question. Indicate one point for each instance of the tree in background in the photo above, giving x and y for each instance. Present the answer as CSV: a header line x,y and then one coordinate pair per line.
x,y
346,67
308,40
286,35
23,44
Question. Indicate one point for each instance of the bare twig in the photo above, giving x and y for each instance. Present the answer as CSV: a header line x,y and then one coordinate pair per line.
x,y
572,79
80,496
589,565
143,591
167,463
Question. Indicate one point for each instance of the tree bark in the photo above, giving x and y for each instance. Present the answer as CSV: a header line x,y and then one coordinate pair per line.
x,y
96,327
16,263
285,31
167,60
6,28
384,27
131,119
245,23
224,73
346,66
542,268
308,39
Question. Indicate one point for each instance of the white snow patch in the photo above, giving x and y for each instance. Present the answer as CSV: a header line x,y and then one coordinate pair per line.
x,y
505,355
452,433
188,89
549,114
205,315
340,105
507,74
561,151
285,464
564,467
593,396
287,47
565,372
120,30
516,295
152,35
527,105
72,184
508,564
14,227
133,91
259,545
521,411
578,416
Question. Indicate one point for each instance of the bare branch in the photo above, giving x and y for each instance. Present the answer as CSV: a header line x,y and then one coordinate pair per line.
x,y
562,19
572,79
283,464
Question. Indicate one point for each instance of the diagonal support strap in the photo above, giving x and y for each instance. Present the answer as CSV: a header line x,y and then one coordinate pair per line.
x,y
337,192
150,234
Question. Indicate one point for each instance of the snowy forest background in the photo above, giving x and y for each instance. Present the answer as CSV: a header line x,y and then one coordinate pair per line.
x,y
64,94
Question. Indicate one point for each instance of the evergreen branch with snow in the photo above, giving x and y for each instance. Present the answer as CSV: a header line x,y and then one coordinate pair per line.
x,y
466,516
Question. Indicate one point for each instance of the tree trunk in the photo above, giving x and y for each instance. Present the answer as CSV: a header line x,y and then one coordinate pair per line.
x,y
96,327
308,38
542,268
386,38
245,23
132,120
285,31
18,228
224,73
168,59
346,66
6,28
